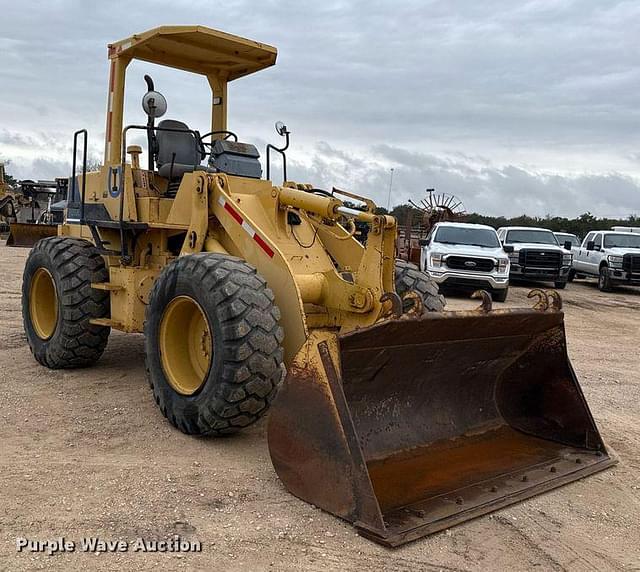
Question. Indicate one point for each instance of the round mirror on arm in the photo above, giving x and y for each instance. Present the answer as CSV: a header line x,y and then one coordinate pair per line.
x,y
281,128
154,104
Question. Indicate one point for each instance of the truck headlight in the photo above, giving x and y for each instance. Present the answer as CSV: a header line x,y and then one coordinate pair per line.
x,y
503,263
615,261
435,259
514,257
567,259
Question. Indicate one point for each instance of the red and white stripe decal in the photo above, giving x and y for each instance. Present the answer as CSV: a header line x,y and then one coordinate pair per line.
x,y
112,78
245,225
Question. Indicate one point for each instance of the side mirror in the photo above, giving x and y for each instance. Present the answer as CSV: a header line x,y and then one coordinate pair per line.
x,y
154,104
591,245
423,241
281,128
567,245
508,248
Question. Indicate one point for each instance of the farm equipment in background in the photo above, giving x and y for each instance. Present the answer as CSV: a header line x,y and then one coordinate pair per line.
x,y
8,201
401,421
40,211
419,220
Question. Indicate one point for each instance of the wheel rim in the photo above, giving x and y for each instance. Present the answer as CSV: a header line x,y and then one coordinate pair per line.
x,y
43,303
185,345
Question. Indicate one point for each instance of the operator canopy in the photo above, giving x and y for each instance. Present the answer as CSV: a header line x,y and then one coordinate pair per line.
x,y
198,50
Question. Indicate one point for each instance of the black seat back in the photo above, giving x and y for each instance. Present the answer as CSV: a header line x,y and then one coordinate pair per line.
x,y
177,147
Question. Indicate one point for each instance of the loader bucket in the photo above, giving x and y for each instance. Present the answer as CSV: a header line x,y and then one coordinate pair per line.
x,y
27,234
411,426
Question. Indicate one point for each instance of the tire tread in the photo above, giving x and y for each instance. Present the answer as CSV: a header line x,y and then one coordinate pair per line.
x,y
252,369
409,277
76,342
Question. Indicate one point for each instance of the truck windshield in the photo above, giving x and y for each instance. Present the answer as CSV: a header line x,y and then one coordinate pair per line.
x,y
621,241
572,238
534,236
467,235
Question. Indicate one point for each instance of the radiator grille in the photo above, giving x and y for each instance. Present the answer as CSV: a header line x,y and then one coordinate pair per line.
x,y
540,259
631,264
470,263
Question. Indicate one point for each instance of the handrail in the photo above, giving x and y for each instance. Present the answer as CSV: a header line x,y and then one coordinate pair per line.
x,y
121,186
280,150
84,169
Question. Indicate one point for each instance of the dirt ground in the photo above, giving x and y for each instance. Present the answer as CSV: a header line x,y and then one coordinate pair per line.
x,y
87,453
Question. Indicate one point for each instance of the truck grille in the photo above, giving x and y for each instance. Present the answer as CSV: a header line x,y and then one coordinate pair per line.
x,y
631,264
470,264
540,259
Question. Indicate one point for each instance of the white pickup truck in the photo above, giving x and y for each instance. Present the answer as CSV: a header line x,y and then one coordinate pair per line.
x,y
535,254
563,239
464,255
614,257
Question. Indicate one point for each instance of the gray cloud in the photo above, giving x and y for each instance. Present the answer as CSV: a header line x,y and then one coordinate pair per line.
x,y
507,190
522,106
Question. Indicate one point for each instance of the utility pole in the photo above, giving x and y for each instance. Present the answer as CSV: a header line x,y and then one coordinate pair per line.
x,y
390,187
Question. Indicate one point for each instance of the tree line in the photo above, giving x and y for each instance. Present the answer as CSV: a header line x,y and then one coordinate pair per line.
x,y
579,226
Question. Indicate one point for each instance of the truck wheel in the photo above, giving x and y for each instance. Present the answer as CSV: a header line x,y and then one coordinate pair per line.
x,y
410,277
500,295
572,275
560,285
58,302
604,281
213,344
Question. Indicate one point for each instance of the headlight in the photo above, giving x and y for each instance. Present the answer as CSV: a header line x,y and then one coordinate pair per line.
x,y
514,257
502,264
435,259
567,259
615,261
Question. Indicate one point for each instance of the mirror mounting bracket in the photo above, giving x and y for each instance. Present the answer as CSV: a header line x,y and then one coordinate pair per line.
x,y
282,130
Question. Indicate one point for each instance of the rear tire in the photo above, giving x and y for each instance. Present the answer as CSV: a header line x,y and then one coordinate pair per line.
x,y
239,337
604,282
410,277
58,302
500,295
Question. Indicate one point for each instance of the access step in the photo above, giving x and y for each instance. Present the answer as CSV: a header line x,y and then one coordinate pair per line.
x,y
106,286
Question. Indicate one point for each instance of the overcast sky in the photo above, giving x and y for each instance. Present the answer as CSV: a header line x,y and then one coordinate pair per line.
x,y
515,107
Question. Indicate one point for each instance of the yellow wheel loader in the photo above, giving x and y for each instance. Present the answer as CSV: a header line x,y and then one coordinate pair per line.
x,y
386,410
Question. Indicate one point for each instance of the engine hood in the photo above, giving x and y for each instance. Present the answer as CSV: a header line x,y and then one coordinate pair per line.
x,y
518,246
619,251
468,250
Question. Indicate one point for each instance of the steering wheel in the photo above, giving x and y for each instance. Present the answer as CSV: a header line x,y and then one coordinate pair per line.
x,y
209,145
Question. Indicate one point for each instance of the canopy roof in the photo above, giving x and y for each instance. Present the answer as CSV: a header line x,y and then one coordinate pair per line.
x,y
197,49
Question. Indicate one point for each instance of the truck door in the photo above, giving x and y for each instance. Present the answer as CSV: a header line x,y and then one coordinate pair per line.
x,y
424,251
580,262
593,256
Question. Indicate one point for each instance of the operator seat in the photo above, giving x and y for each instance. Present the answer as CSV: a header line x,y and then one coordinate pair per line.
x,y
179,152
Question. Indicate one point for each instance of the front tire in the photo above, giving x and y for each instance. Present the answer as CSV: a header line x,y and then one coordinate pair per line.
x,y
561,284
500,295
604,281
213,344
572,275
58,302
409,277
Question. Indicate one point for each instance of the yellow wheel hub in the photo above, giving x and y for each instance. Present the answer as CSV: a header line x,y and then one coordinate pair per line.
x,y
185,345
43,303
